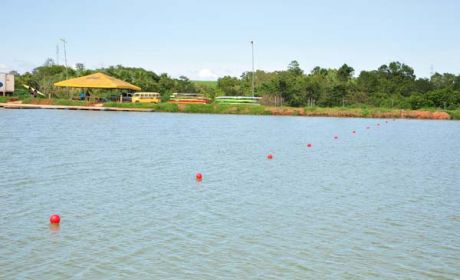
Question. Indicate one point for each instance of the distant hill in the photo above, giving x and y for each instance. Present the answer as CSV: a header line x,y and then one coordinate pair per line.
x,y
212,84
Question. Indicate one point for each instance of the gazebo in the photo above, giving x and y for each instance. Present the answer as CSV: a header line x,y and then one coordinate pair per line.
x,y
97,80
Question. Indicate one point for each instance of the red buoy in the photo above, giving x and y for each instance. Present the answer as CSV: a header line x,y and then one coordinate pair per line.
x,y
55,219
270,156
309,145
199,176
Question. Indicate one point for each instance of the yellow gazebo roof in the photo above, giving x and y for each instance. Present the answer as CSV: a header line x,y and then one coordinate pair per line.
x,y
96,80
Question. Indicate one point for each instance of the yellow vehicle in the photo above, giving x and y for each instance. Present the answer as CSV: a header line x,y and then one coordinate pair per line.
x,y
146,97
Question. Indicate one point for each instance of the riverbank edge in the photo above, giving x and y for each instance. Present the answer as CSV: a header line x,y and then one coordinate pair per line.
x,y
246,110
68,107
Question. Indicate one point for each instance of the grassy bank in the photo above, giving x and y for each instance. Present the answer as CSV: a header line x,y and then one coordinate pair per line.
x,y
291,111
355,112
373,112
196,108
454,114
63,102
160,107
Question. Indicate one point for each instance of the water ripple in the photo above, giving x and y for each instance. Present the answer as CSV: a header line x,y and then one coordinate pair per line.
x,y
379,204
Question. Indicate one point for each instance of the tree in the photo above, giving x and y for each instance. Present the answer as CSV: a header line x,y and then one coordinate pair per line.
x,y
368,81
294,68
80,68
14,72
423,85
230,85
345,73
312,89
393,84
166,86
184,85
49,62
396,78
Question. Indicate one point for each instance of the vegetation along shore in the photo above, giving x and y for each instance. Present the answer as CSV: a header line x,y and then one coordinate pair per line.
x,y
391,91
364,112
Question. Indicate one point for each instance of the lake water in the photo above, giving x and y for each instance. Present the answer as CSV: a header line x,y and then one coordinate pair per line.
x,y
381,203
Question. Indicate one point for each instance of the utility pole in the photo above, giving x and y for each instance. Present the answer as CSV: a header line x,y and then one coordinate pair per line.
x,y
64,42
253,72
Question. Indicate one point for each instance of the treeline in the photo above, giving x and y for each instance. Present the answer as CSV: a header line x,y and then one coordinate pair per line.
x,y
394,86
45,76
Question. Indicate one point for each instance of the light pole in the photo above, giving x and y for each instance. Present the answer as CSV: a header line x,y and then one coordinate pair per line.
x,y
253,72
64,42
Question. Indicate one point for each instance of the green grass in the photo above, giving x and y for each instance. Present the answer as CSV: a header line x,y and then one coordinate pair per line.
x,y
362,109
62,102
15,97
226,109
194,108
67,102
26,99
257,110
160,107
355,111
454,114
167,107
211,84
199,108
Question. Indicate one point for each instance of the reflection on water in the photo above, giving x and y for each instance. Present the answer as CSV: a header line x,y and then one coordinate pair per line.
x,y
54,228
379,203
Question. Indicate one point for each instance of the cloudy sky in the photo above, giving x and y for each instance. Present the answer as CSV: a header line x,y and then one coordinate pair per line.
x,y
207,39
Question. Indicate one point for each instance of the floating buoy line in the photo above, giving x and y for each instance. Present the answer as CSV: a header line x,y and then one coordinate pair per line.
x,y
56,219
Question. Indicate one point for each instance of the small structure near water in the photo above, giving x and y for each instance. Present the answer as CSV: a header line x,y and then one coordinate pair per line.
x,y
97,80
189,98
238,100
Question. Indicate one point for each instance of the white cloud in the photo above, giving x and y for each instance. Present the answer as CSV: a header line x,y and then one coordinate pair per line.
x,y
4,68
207,74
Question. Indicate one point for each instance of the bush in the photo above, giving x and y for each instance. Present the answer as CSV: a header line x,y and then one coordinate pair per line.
x,y
454,114
418,101
365,112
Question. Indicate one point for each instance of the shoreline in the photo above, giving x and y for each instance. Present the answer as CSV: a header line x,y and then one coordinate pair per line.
x,y
245,110
68,107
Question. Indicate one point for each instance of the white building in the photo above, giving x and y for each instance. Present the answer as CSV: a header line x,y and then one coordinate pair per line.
x,y
6,84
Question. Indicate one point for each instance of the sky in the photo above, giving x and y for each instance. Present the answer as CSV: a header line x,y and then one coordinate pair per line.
x,y
207,39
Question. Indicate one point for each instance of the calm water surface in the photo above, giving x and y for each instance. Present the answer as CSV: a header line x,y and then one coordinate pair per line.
x,y
383,203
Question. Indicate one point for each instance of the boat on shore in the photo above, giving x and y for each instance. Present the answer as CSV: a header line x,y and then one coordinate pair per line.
x,y
238,100
189,98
